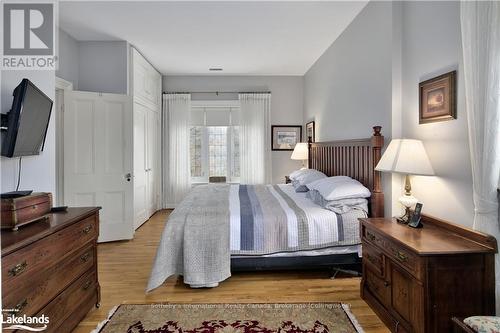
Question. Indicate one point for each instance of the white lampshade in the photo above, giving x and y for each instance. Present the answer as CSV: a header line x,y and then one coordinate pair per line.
x,y
406,156
300,152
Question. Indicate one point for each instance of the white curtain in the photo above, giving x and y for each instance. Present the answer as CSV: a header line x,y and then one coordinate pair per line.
x,y
480,22
176,166
255,138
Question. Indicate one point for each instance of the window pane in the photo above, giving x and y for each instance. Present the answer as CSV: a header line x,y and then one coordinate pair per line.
x,y
235,149
196,133
217,151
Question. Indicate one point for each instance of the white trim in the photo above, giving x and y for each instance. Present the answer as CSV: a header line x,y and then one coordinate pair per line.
x,y
100,326
353,319
63,84
216,104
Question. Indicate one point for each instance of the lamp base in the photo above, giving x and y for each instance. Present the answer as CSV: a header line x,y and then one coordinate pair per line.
x,y
405,218
407,201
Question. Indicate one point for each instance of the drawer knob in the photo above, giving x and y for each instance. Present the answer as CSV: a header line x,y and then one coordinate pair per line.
x,y
19,307
34,206
401,256
87,229
87,285
85,257
18,269
386,284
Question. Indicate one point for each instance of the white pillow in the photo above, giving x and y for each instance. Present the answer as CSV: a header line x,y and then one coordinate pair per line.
x,y
308,176
297,173
339,187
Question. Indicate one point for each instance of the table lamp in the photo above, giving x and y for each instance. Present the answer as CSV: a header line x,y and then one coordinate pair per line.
x,y
408,157
300,152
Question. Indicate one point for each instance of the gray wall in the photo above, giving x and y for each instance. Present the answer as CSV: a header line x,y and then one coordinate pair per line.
x,y
349,88
38,172
94,66
103,67
448,195
68,67
286,103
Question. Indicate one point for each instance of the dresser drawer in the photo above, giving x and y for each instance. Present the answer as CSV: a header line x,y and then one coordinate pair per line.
x,y
33,295
379,287
402,256
21,266
374,258
70,300
372,237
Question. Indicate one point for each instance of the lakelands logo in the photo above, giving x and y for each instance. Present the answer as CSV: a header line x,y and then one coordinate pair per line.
x,y
26,323
28,35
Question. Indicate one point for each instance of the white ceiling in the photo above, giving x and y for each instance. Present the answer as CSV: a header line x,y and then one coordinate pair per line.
x,y
244,38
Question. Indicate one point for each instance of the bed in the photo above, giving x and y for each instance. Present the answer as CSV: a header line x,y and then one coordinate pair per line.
x,y
218,229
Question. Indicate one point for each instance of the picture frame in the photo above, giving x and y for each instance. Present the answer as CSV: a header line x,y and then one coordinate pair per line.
x,y
285,137
437,98
311,131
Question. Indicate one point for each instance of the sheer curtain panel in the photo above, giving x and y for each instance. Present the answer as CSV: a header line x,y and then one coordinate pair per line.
x,y
480,22
176,164
255,138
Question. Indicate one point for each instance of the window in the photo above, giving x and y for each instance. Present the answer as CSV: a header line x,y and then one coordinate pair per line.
x,y
214,144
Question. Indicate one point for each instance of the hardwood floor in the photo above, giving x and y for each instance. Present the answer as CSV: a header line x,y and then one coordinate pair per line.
x,y
124,269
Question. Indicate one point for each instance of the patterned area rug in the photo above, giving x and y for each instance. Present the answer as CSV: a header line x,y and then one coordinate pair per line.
x,y
230,318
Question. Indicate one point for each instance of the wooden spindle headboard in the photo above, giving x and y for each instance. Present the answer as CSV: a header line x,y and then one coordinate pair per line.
x,y
354,158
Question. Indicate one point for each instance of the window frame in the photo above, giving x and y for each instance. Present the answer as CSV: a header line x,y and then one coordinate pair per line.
x,y
231,104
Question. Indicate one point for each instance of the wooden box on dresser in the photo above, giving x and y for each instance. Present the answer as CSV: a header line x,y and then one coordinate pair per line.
x,y
50,267
416,280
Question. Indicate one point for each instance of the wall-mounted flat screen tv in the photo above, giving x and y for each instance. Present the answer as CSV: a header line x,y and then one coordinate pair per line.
x,y
26,124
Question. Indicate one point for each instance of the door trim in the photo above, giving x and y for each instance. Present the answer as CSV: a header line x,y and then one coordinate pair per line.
x,y
62,86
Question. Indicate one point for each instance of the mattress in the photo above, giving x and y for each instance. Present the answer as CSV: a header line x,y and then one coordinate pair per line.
x,y
281,222
335,250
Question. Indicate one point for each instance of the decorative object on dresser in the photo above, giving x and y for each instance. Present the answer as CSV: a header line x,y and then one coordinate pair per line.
x,y
437,99
50,268
20,211
285,137
300,153
311,131
416,280
408,157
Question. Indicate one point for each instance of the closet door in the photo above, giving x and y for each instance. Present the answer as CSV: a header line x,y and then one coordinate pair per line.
x,y
152,158
98,159
140,165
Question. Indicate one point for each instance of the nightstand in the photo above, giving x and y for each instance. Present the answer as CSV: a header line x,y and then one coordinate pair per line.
x,y
287,180
416,280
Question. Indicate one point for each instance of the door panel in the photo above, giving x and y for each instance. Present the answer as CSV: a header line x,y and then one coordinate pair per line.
x,y
140,165
401,292
152,156
97,157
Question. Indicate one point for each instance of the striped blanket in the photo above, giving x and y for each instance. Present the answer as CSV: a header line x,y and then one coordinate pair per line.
x,y
267,219
215,221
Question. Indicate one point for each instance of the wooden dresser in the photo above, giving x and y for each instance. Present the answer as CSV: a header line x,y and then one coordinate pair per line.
x,y
50,267
416,280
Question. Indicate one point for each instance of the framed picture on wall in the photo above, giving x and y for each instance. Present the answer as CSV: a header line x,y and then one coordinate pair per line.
x,y
437,99
285,137
310,131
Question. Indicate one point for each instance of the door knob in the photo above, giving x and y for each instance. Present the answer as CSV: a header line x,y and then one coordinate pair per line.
x,y
128,176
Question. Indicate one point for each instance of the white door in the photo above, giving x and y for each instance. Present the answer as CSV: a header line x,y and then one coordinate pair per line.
x,y
98,138
152,158
140,165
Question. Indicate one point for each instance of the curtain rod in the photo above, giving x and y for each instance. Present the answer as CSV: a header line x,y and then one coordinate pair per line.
x,y
217,92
